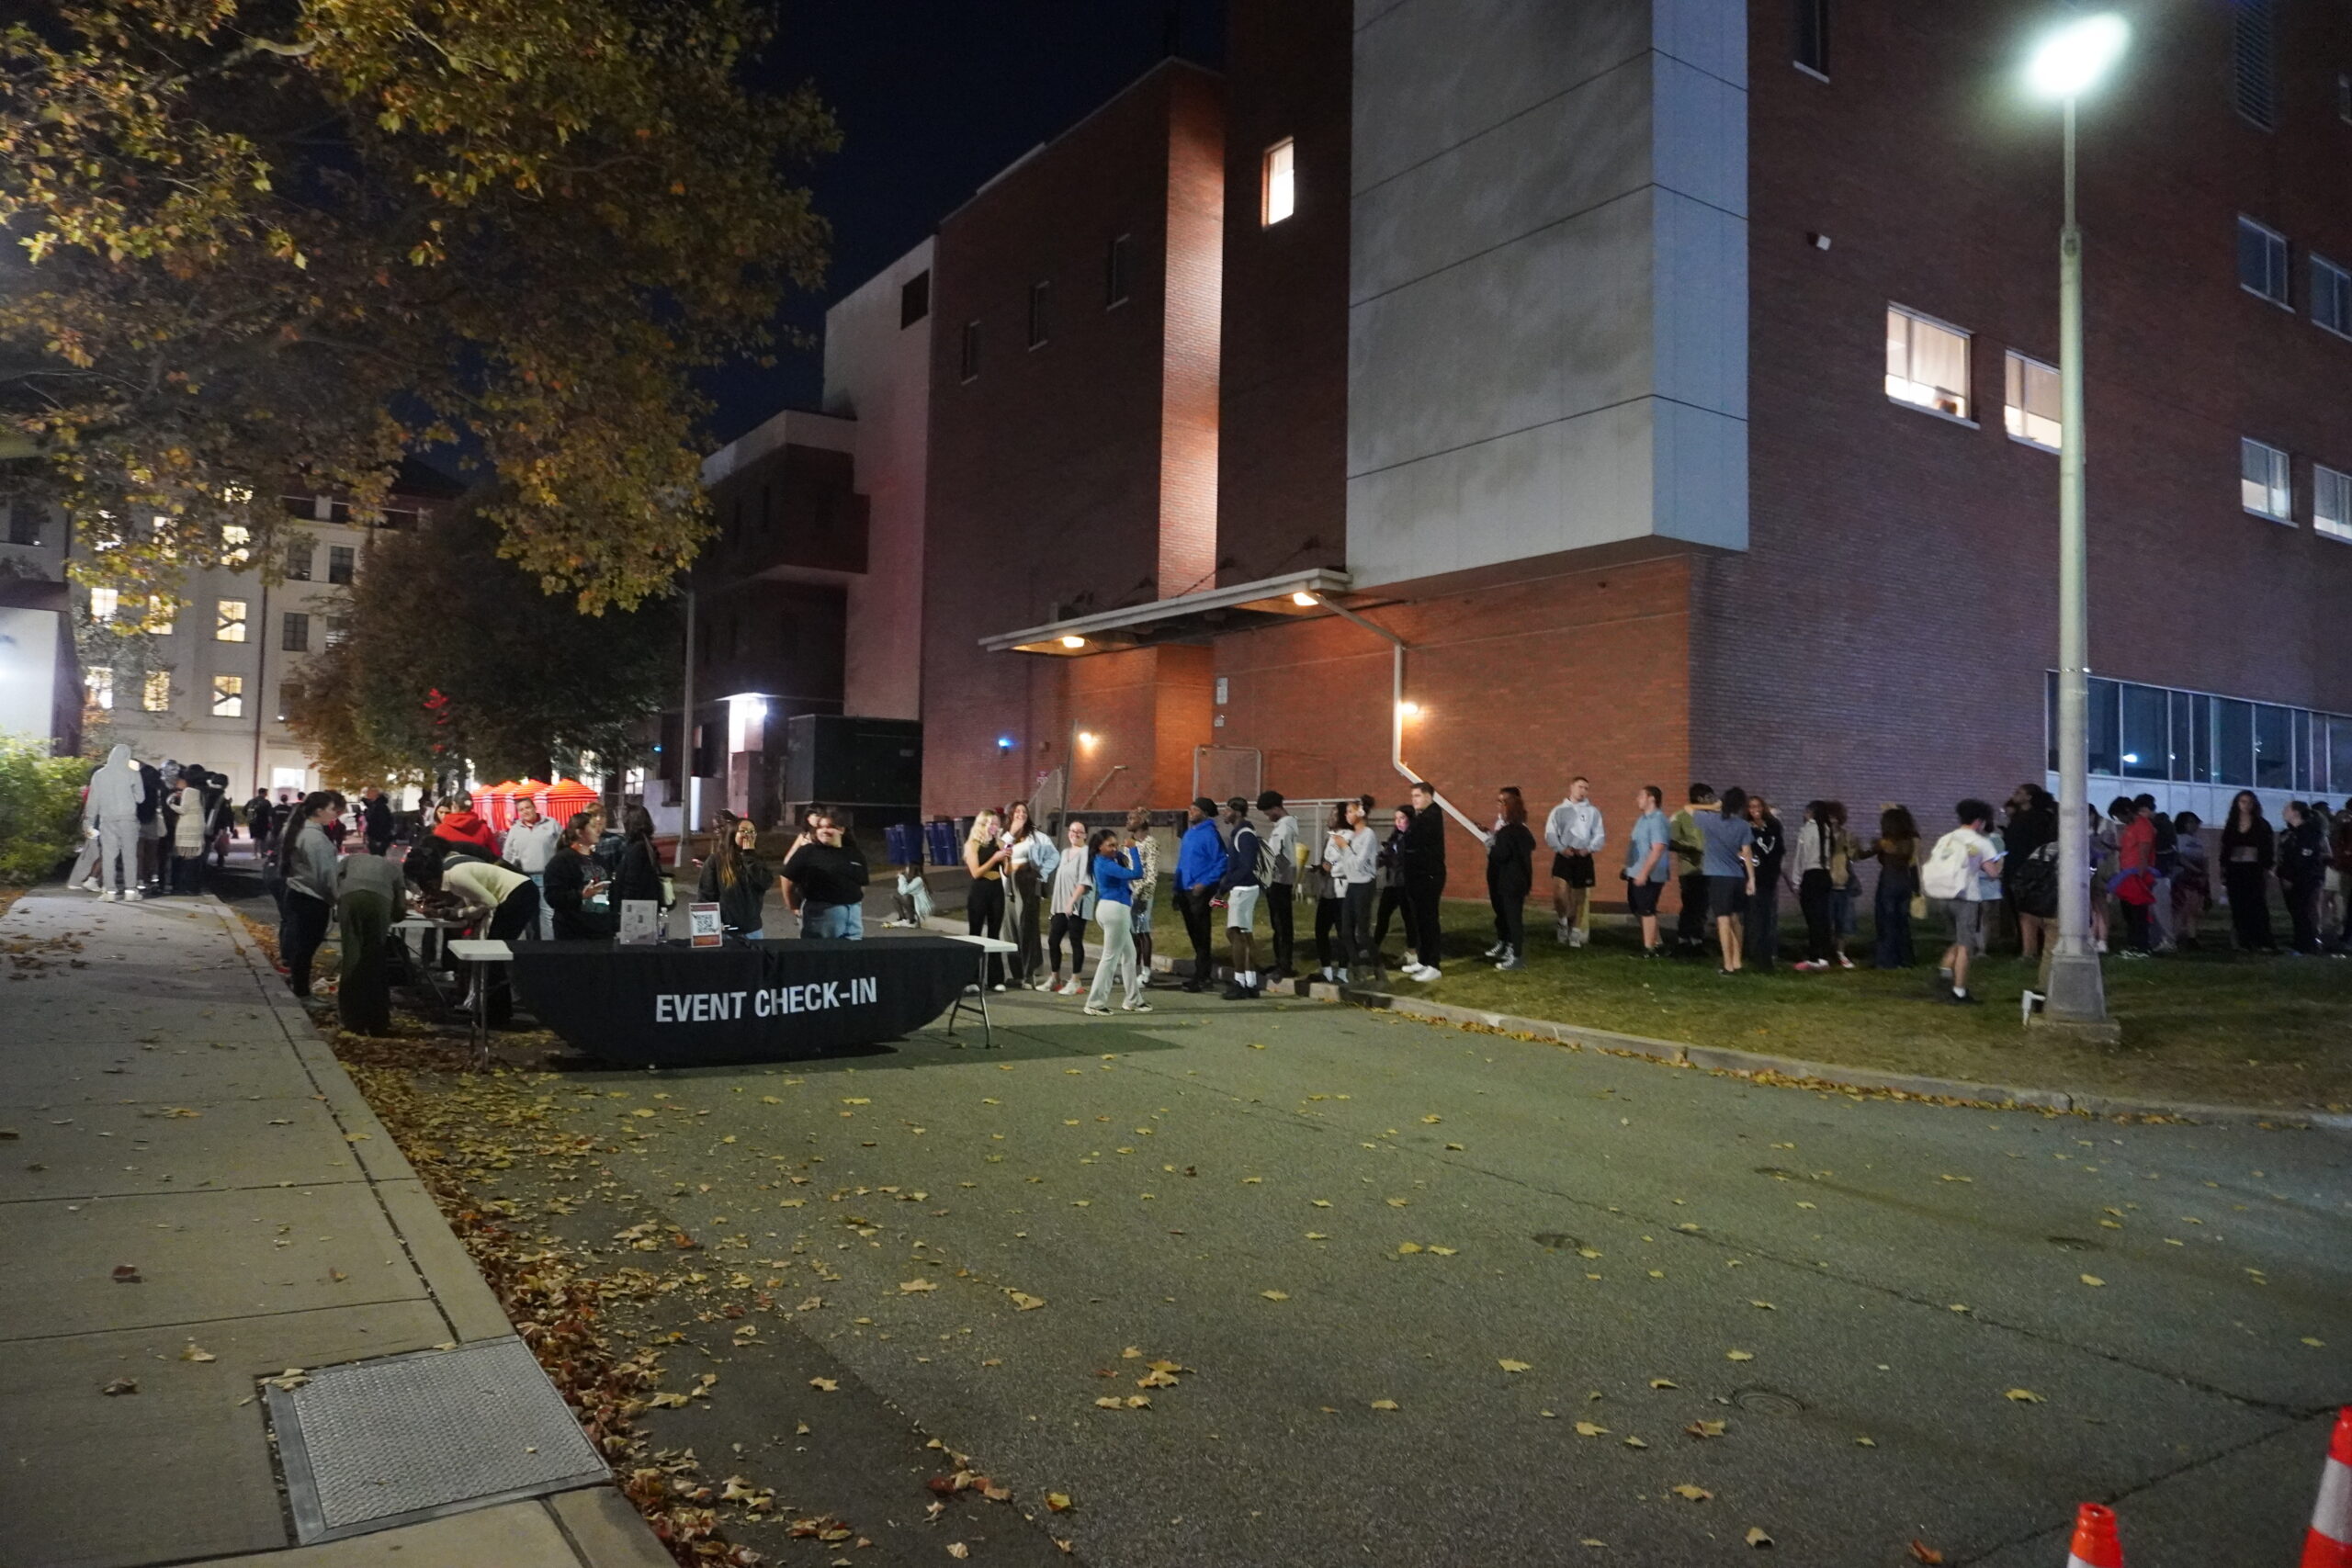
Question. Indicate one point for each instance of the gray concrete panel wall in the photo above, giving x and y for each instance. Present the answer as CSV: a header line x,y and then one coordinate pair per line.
x,y
1548,290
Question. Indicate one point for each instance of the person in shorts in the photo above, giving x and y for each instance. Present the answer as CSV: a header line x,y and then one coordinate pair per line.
x,y
1647,857
1968,848
1242,890
1729,866
1574,833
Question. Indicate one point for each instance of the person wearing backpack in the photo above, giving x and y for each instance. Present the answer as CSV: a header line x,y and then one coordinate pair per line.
x,y
1950,878
1244,882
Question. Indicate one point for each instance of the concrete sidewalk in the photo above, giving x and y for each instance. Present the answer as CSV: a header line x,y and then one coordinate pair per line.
x,y
167,1111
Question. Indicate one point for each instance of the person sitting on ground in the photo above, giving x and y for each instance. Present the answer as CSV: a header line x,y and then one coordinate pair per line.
x,y
574,880
829,871
910,902
1953,877
737,880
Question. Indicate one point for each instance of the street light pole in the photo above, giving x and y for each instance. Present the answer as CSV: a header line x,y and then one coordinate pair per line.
x,y
2072,983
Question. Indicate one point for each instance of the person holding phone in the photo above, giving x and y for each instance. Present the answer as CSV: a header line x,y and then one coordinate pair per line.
x,y
573,879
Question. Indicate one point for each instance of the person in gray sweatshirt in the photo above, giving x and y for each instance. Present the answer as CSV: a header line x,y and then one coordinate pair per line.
x,y
112,812
306,861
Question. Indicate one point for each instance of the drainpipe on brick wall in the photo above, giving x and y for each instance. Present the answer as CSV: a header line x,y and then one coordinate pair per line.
x,y
1397,711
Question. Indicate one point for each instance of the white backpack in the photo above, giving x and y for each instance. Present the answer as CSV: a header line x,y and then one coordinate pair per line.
x,y
1948,874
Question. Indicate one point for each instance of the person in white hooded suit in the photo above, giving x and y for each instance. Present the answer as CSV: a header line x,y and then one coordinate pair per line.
x,y
112,812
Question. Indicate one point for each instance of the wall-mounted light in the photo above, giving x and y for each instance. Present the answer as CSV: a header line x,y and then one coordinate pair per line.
x,y
1004,742
1305,600
1087,738
1407,709
1073,640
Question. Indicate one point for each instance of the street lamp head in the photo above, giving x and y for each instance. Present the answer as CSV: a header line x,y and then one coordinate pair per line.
x,y
2071,60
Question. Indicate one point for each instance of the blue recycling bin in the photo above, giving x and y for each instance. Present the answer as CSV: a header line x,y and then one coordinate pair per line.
x,y
946,844
902,844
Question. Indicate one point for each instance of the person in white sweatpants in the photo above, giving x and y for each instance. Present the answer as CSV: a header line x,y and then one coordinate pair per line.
x,y
112,809
1114,875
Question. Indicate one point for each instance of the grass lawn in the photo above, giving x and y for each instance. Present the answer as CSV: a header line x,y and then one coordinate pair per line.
x,y
2207,1026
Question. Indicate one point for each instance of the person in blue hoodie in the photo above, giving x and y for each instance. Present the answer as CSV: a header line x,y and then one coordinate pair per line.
x,y
1200,868
1115,872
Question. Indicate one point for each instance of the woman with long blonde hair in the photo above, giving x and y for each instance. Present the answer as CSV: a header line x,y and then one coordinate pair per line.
x,y
985,857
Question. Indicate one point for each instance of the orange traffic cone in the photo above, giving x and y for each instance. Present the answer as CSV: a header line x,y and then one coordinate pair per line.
x,y
2329,1545
2095,1544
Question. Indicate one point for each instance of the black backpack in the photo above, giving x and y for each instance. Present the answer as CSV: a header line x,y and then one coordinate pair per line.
x,y
2033,883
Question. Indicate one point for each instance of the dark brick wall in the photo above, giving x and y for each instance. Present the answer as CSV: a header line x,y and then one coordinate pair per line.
x,y
1885,634
1282,501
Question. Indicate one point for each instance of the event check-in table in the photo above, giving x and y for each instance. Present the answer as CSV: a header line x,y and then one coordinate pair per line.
x,y
672,1005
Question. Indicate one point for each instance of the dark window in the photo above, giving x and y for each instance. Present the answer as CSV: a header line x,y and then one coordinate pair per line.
x,y
914,299
1813,35
24,525
301,506
2200,727
285,693
971,356
2184,732
339,511
2232,742
1037,321
2262,261
2147,733
340,560
297,562
295,636
2254,63
334,630
2339,756
2104,722
1114,273
2274,747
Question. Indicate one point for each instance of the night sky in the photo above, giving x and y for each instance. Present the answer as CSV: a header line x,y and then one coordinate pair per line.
x,y
934,96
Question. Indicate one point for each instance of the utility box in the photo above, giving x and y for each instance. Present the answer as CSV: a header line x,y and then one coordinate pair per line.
x,y
873,766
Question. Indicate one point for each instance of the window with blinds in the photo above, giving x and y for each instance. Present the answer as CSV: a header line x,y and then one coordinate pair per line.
x,y
2254,63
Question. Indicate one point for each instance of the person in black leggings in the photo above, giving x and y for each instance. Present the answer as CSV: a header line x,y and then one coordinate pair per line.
x,y
985,857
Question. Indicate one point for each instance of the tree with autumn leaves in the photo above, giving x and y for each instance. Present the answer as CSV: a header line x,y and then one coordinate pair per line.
x,y
255,240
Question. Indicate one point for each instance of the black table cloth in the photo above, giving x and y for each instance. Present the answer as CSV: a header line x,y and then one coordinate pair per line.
x,y
673,1006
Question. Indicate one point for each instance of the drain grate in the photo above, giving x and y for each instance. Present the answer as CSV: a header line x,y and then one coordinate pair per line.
x,y
372,1444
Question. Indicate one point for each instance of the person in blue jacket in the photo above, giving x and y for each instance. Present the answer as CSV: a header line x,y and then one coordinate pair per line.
x,y
1115,873
1200,868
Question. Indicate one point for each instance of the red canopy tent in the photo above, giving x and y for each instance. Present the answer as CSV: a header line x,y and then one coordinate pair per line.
x,y
563,797
495,804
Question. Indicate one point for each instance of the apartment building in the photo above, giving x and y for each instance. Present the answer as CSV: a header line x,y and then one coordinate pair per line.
x,y
1496,390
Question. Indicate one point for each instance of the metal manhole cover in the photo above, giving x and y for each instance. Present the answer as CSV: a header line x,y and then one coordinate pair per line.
x,y
1760,1401
2074,1243
372,1444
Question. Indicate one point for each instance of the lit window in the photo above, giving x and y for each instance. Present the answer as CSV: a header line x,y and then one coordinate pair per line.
x,y
2331,501
229,625
103,603
1039,321
2262,481
228,696
2331,296
98,681
2030,402
162,615
155,695
340,560
2262,261
296,636
971,350
1280,182
1926,363
236,540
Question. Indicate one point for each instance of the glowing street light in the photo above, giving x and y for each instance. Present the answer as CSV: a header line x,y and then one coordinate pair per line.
x,y
1305,600
1407,709
1073,640
2068,62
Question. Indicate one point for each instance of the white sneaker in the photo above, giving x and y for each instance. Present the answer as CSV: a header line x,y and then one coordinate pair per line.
x,y
1045,986
1576,937
1563,932
1412,960
133,897
1073,988
1091,1010
88,885
1139,1005
108,897
1497,951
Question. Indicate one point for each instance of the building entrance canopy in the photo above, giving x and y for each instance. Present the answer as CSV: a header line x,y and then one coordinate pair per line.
x,y
1189,617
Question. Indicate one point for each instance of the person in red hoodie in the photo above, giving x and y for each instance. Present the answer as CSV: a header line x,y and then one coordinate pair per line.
x,y
459,825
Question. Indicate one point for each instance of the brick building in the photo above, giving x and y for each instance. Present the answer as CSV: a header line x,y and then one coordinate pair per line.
x,y
1663,388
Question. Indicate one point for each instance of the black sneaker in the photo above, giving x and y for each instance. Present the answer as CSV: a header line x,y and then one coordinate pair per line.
x,y
1962,998
1237,993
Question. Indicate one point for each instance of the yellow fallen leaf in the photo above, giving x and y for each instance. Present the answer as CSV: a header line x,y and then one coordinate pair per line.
x,y
1385,1404
1663,1382
1444,1251
2314,1344
770,1100
1407,1248
1591,1430
1432,1121
1766,1306
860,1101
1138,1402
1706,1428
913,1287
1455,1147
1757,1537
1275,1295
193,1353
1511,1365
1635,1443
641,1112
1739,1356
1058,1502
958,1550
668,1401
1024,1302
1157,1377
1398,1203
2023,1396
1696,1494
2093,1279
825,1385
1111,1401
1866,1443
1316,1236
1321,1203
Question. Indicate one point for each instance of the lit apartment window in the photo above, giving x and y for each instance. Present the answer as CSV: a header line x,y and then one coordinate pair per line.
x,y
155,695
24,525
236,540
914,299
2262,481
1926,363
2029,401
229,623
298,561
1813,37
340,560
163,616
228,696
294,636
1039,325
2331,296
1114,272
99,682
1280,198
2262,261
2331,501
2254,62
970,362
104,602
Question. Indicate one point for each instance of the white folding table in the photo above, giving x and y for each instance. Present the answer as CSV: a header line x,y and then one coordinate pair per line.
x,y
990,947
472,954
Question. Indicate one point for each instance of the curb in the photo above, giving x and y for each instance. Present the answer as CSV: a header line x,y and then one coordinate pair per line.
x,y
1753,1064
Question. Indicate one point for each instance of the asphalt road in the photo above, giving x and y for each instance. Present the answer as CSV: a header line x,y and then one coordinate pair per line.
x,y
1440,1297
